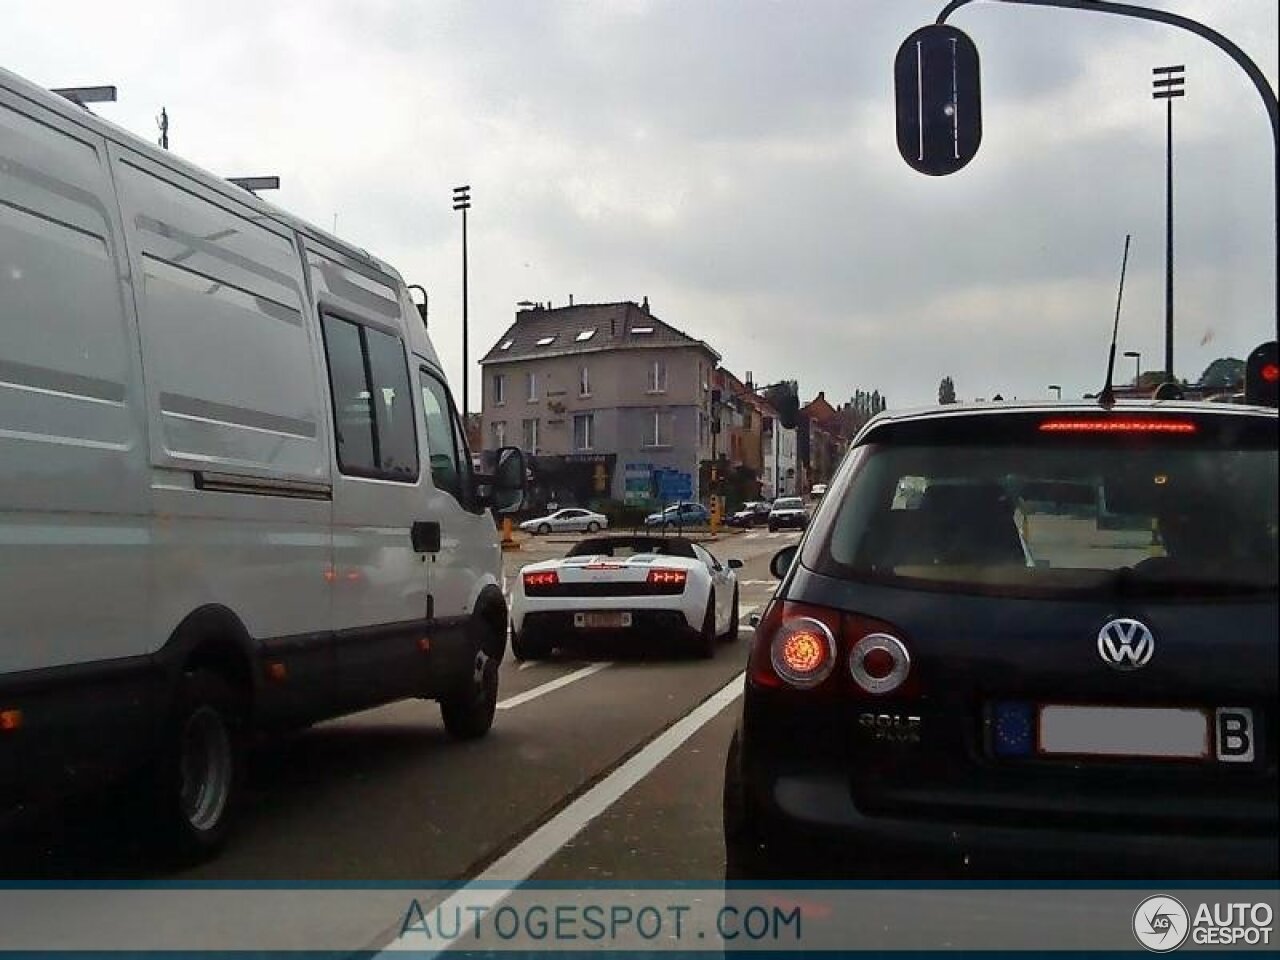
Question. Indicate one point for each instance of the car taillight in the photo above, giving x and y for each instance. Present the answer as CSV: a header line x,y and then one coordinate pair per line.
x,y
795,644
798,646
1117,425
541,580
879,663
667,578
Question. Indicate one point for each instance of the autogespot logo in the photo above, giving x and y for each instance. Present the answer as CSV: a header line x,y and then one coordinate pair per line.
x,y
1161,923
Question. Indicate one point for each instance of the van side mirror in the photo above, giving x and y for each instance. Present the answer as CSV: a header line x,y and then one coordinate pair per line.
x,y
508,485
782,560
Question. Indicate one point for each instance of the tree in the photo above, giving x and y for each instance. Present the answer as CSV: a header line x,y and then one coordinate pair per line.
x,y
785,398
862,406
1225,373
947,391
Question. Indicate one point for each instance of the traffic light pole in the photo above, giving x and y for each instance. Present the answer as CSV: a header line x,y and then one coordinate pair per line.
x,y
1199,29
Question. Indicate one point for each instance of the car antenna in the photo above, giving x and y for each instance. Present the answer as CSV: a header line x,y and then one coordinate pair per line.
x,y
1107,398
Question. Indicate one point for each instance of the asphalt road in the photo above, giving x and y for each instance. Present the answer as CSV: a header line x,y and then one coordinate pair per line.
x,y
385,796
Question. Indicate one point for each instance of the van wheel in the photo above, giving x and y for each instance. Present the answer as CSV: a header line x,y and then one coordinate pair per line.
x,y
468,714
193,783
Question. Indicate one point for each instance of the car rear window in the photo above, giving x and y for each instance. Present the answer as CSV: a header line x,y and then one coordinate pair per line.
x,y
1153,515
788,503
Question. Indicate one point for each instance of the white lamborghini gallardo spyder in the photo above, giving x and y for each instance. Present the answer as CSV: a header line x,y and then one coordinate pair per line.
x,y
650,587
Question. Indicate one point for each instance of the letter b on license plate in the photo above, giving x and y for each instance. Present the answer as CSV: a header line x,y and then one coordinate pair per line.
x,y
1233,734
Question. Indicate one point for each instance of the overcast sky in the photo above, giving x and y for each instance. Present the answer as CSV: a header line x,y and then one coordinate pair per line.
x,y
736,163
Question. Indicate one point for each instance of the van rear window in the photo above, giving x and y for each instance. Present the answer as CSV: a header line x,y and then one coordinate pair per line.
x,y
1036,518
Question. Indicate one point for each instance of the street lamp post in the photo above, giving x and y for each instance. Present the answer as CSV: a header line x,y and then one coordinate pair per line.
x,y
1169,83
1056,389
462,201
1137,365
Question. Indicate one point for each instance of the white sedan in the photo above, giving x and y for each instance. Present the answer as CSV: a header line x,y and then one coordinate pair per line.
x,y
650,587
568,520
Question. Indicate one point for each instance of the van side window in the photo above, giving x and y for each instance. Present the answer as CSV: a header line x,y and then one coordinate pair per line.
x,y
450,468
372,405
392,407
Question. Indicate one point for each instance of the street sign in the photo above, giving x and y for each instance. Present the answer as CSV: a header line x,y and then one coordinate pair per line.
x,y
674,485
939,100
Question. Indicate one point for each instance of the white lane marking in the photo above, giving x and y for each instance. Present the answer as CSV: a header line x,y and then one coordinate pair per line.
x,y
526,665
550,686
520,863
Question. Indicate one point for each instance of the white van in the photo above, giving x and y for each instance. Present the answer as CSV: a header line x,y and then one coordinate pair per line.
x,y
234,491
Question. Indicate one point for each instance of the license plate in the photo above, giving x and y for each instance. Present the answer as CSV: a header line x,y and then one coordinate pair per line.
x,y
606,620
1166,733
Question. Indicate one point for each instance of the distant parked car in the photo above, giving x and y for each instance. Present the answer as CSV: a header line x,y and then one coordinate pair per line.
x,y
680,515
788,512
570,519
752,514
818,491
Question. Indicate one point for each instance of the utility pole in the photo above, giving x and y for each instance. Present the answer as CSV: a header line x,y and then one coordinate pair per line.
x,y
1169,83
162,122
462,201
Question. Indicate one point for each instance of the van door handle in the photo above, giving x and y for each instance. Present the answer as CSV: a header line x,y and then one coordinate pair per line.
x,y
425,535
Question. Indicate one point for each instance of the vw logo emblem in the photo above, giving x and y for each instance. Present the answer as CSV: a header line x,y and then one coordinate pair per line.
x,y
1125,644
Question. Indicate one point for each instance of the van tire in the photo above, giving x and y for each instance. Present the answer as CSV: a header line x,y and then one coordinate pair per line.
x,y
468,714
192,785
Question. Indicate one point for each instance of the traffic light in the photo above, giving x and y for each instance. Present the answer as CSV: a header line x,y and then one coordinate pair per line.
x,y
1262,375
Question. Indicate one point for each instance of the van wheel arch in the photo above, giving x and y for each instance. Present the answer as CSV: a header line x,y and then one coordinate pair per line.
x,y
213,639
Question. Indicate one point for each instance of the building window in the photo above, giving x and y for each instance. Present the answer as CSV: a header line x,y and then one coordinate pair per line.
x,y
584,382
531,387
584,431
658,376
499,389
372,406
499,434
530,436
659,430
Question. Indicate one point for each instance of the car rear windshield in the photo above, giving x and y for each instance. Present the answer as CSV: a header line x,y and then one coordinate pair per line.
x,y
788,503
1153,516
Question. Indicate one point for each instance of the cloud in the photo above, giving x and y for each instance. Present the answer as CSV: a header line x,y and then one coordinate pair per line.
x,y
735,162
